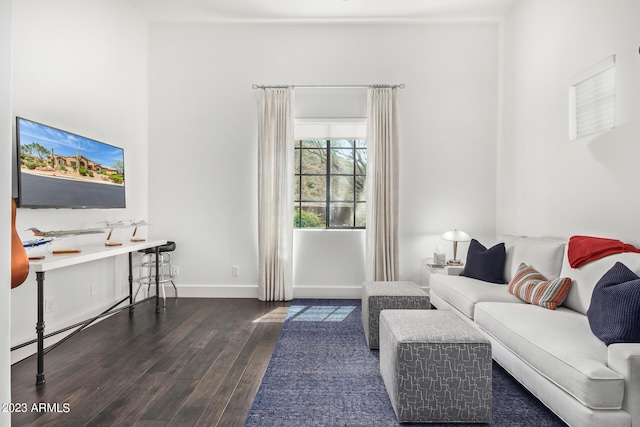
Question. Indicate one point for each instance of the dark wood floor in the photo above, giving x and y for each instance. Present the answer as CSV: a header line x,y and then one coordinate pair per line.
x,y
197,363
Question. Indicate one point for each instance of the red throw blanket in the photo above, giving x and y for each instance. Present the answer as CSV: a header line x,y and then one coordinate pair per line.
x,y
584,249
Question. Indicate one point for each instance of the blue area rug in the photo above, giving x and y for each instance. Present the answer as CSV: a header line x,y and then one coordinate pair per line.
x,y
322,373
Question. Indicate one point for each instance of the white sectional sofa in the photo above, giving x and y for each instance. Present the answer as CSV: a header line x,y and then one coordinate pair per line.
x,y
553,353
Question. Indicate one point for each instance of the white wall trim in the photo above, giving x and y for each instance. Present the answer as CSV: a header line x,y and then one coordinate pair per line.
x,y
329,292
251,291
215,291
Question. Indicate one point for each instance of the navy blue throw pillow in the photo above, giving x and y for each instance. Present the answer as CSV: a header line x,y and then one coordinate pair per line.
x,y
485,264
614,313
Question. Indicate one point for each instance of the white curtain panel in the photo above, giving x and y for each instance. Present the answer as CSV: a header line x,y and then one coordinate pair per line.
x,y
275,194
382,184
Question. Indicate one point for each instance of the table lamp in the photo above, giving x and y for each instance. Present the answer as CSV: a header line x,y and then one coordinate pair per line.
x,y
455,236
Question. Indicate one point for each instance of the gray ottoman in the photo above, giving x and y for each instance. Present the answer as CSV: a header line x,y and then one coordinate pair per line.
x,y
378,296
436,367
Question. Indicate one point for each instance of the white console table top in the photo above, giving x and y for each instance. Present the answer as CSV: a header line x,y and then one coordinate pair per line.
x,y
90,253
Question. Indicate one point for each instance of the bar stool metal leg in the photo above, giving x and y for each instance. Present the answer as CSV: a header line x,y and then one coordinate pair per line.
x,y
156,268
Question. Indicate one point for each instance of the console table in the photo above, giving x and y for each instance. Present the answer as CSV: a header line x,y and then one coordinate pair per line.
x,y
87,254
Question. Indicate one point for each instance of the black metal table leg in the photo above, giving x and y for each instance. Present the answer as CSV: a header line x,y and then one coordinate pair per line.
x,y
131,307
157,279
40,328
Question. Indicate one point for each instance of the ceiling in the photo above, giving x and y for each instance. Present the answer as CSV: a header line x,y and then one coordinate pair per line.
x,y
320,10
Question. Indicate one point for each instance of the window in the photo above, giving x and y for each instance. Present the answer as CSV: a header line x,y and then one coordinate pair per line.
x,y
592,100
330,183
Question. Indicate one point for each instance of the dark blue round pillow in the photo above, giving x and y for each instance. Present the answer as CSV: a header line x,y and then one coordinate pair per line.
x,y
614,313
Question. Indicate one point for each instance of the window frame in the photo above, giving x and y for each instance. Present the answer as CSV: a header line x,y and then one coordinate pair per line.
x,y
357,144
592,95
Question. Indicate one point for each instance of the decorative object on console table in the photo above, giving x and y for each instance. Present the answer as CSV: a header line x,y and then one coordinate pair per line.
x,y
19,259
49,236
66,251
135,225
109,242
455,236
64,233
124,224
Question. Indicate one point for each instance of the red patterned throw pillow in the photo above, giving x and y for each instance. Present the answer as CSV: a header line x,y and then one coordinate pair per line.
x,y
532,287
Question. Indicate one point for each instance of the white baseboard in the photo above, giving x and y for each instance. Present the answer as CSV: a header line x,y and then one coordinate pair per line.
x,y
251,291
328,292
217,291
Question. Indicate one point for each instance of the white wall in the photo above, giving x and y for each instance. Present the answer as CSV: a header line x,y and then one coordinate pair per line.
x,y
547,184
82,67
203,153
5,218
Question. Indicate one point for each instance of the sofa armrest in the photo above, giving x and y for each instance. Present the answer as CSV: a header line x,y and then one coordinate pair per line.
x,y
625,359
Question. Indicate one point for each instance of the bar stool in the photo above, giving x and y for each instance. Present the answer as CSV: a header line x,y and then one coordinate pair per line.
x,y
148,269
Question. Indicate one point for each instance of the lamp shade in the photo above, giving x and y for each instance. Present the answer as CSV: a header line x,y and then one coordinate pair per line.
x,y
456,236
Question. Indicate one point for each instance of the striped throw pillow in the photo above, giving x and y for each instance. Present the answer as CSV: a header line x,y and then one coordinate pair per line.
x,y
532,287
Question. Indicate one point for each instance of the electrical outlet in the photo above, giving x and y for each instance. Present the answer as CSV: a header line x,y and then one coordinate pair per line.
x,y
48,305
235,270
175,270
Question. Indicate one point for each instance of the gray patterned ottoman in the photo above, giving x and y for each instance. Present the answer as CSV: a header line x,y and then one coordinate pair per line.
x,y
378,296
436,368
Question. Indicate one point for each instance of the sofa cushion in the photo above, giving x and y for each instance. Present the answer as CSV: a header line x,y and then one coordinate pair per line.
x,y
463,293
586,277
532,287
569,356
485,264
543,254
614,313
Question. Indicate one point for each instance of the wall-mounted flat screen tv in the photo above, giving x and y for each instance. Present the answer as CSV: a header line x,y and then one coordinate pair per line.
x,y
59,169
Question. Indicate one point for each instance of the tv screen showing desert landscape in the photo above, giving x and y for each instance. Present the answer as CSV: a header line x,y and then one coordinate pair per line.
x,y
59,169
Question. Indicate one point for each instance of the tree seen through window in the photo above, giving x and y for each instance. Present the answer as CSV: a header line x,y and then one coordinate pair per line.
x,y
330,184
